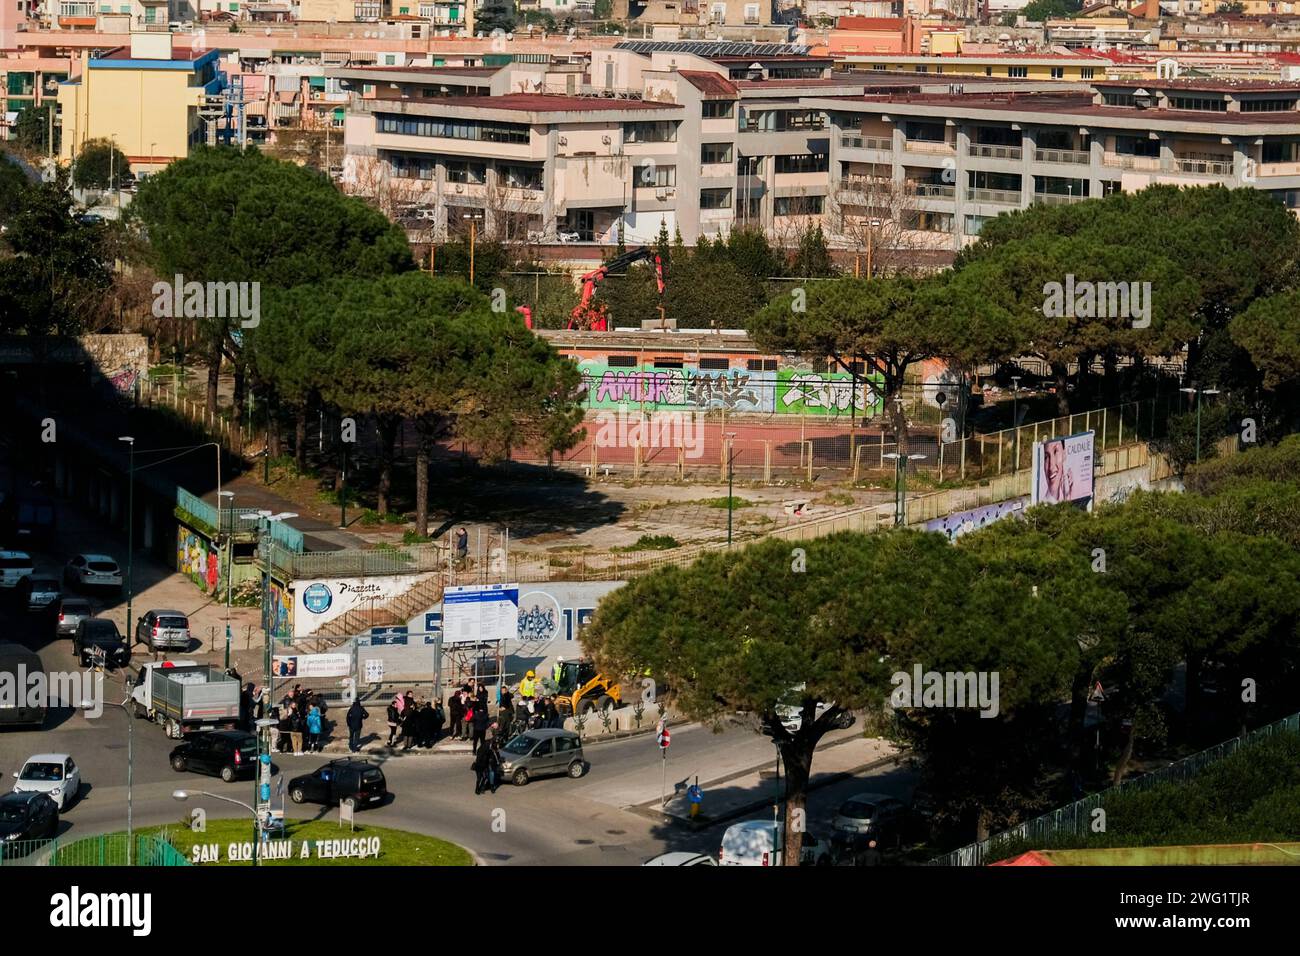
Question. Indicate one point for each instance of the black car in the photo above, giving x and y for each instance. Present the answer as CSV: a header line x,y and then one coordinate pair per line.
x,y
229,754
347,778
100,633
26,816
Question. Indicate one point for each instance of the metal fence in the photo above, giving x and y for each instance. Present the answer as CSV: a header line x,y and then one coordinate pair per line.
x,y
236,520
1075,818
108,849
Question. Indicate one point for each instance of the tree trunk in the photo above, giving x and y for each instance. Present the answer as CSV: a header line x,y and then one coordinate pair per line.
x,y
237,410
895,412
300,438
387,427
797,757
421,484
272,411
1079,688
1121,765
215,345
1061,372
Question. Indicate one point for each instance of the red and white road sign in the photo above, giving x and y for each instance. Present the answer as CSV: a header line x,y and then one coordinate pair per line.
x,y
664,738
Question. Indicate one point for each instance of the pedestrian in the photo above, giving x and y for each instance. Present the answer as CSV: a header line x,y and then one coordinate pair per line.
x,y
314,730
480,722
410,724
505,719
467,725
410,703
356,717
528,686
456,707
462,546
439,718
553,718
494,763
297,724
481,765
284,725
394,718
246,707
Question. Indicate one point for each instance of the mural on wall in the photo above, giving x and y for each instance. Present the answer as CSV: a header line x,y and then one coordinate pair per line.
x,y
281,611
195,558
963,522
539,616
788,392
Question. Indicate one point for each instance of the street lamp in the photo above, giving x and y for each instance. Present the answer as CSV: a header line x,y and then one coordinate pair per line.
x,y
729,436
872,226
1198,392
183,795
267,517
900,484
473,218
230,547
1015,420
130,526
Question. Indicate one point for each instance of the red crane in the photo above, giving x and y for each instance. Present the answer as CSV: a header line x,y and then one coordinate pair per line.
x,y
596,318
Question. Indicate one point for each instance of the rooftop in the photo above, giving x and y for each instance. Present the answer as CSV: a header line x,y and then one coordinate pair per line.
x,y
178,54
548,103
1207,85
712,85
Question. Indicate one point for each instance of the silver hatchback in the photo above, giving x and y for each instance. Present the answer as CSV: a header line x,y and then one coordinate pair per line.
x,y
163,629
542,753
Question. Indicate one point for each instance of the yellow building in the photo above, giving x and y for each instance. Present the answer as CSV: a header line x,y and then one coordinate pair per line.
x,y
145,98
1070,67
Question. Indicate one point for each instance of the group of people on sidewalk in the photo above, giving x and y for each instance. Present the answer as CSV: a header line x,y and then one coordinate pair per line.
x,y
414,723
301,722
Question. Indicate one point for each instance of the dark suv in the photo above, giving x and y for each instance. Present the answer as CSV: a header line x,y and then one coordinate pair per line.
x,y
229,754
347,778
99,633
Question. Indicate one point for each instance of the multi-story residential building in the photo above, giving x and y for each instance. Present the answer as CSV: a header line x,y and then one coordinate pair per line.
x,y
146,98
29,81
965,157
1002,64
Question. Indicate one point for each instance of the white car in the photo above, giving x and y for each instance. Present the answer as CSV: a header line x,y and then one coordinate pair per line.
x,y
681,858
754,843
55,775
93,570
15,568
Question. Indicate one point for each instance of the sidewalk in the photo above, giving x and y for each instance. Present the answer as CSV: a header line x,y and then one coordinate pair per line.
x,y
737,795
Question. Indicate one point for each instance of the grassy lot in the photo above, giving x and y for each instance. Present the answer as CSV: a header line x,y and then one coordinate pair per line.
x,y
398,847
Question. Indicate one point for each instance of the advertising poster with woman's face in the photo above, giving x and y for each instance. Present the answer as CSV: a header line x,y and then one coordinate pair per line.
x,y
1063,470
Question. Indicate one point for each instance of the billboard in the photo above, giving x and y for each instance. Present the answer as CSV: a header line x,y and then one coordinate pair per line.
x,y
477,614
1063,470
312,665
317,601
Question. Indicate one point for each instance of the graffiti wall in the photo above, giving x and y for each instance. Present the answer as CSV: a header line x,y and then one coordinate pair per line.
x,y
963,522
789,391
197,559
279,616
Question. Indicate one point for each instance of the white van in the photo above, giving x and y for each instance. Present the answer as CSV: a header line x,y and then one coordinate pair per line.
x,y
754,843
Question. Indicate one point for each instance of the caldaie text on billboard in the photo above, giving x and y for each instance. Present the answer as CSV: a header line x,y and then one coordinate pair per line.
x,y
1063,470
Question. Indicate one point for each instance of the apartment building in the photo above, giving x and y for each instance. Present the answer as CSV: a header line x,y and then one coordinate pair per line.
x,y
999,64
29,80
959,159
657,135
145,97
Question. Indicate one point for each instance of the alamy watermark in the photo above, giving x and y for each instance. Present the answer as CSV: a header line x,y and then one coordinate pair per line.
x,y
1085,299
38,690
623,428
958,690
179,299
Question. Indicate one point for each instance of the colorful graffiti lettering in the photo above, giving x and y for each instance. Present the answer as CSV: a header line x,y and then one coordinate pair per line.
x,y
633,387
282,611
124,380
192,552
536,623
729,390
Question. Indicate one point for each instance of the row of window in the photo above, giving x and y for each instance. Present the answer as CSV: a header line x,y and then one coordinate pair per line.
x,y
452,129
708,364
464,171
1015,72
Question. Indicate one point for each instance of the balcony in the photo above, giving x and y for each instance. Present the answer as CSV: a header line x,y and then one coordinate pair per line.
x,y
934,147
1129,161
981,151
1004,197
1276,169
1062,156
1057,199
1204,167
865,184
932,190
849,141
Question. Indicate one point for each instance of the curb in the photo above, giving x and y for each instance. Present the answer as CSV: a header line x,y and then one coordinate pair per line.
x,y
436,751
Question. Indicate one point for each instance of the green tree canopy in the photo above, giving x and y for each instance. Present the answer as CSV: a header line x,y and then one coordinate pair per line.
x,y
100,165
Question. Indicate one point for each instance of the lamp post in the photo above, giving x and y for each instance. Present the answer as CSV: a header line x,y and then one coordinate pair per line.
x,y
1015,421
267,518
230,547
343,491
473,218
130,526
1198,392
900,485
729,436
183,795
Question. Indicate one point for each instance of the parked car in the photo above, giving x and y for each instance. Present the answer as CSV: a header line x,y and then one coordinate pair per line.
x,y
681,858
100,633
345,779
71,613
16,570
44,595
546,752
755,842
16,664
163,629
93,570
55,775
228,754
26,816
876,815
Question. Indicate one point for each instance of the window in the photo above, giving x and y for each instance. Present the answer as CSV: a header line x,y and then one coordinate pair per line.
x,y
521,177
715,153
988,71
565,744
1086,72
462,171
543,749
1133,146
803,163
1058,72
761,365
930,221
668,363
717,109
799,205
715,198
656,177
780,121
1200,103
1017,72
655,131
974,224
1267,106
921,69
1278,151
452,129
751,14
926,132
715,364
621,361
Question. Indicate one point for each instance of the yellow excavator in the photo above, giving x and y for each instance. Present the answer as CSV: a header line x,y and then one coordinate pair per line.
x,y
582,690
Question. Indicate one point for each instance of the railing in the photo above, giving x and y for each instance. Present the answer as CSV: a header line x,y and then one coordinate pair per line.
x,y
932,190
1076,818
1204,167
865,183
1126,161
108,849
1078,156
983,151
1058,199
848,141
234,520
929,146
1010,197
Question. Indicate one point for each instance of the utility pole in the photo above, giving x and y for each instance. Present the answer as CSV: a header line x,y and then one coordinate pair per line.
x,y
130,529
